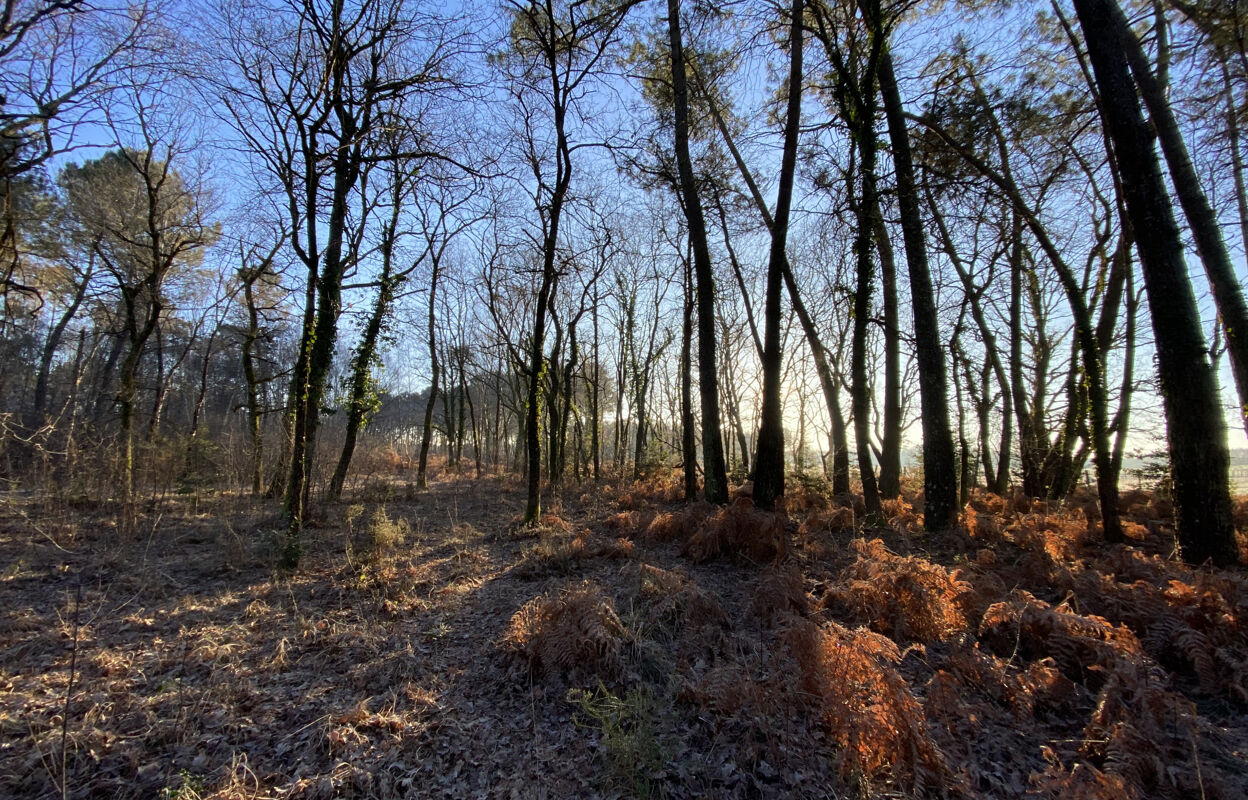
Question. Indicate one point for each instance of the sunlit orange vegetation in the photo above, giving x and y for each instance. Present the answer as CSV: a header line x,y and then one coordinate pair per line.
x,y
1027,658
663,487
901,516
624,521
554,522
823,520
678,525
739,531
803,499
867,706
576,628
909,598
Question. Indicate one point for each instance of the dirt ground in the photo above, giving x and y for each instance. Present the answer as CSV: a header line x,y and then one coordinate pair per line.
x,y
429,647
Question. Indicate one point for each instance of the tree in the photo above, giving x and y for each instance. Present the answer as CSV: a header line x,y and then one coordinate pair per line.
x,y
145,220
255,273
1090,344
1201,219
313,84
556,49
819,353
1195,427
939,476
769,461
715,482
59,59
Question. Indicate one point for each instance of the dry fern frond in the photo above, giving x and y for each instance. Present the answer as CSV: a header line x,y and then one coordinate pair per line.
x,y
904,596
674,599
984,502
620,548
726,690
835,519
677,525
983,525
654,581
1149,737
573,628
630,501
1040,686
664,487
803,499
1190,627
781,591
946,706
901,516
865,704
739,531
555,523
1082,782
624,521
1078,643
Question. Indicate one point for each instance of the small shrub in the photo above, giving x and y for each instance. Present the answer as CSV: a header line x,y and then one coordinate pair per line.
x,y
383,535
573,629
901,516
628,726
742,532
376,491
551,555
903,596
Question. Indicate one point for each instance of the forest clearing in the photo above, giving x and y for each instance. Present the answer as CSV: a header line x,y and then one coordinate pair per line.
x,y
628,646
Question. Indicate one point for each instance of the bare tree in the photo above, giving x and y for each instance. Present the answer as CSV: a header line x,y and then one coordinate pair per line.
x,y
556,50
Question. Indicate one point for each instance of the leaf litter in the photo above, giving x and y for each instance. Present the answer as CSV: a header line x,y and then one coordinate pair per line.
x,y
627,646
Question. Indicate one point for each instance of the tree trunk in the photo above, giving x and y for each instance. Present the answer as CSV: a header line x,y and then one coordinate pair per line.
x,y
532,417
860,388
890,442
939,477
716,475
426,430
252,384
1201,219
358,403
320,334
688,432
1195,427
594,410
40,401
769,457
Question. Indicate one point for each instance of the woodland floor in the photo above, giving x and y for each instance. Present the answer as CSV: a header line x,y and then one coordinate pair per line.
x,y
625,648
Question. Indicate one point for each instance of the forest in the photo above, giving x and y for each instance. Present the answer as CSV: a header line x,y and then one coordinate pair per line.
x,y
609,398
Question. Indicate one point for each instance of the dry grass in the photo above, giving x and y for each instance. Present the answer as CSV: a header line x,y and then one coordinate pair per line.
x,y
415,655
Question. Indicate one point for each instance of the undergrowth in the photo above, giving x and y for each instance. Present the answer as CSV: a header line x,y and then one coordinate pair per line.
x,y
628,725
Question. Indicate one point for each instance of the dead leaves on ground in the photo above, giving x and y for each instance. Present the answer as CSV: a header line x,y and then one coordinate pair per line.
x,y
778,652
